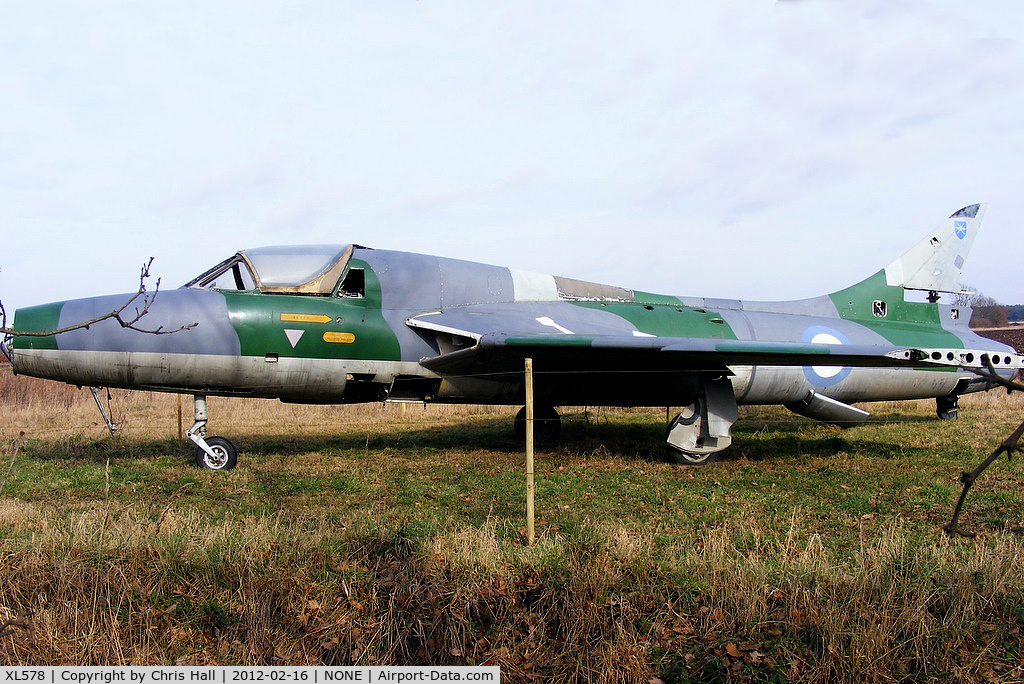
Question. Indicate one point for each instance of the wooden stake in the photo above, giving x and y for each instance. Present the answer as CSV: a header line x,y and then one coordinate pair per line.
x,y
529,453
181,435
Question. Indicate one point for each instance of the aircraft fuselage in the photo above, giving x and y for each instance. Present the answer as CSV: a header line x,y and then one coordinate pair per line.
x,y
359,346
344,323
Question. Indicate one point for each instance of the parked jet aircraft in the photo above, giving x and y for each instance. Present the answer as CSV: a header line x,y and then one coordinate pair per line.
x,y
338,324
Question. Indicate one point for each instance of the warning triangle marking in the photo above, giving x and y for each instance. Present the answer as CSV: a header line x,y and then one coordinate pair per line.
x,y
293,336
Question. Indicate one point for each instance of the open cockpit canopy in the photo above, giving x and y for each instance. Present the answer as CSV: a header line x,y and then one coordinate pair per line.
x,y
295,269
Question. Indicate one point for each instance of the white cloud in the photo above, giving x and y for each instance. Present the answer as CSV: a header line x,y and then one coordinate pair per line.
x,y
726,149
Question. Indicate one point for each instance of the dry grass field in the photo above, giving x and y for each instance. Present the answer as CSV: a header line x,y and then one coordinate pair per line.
x,y
370,534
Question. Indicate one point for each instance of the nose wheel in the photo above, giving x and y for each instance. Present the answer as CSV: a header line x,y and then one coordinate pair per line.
x,y
221,456
214,453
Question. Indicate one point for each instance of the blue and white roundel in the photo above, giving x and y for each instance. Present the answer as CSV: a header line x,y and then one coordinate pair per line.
x,y
824,376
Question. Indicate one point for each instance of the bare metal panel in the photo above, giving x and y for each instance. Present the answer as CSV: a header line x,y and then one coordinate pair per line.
x,y
569,288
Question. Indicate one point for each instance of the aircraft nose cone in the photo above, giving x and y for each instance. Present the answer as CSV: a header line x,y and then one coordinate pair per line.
x,y
176,322
108,353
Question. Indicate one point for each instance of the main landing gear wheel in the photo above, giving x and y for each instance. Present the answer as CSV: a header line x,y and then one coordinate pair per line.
x,y
547,424
703,428
680,457
224,455
688,417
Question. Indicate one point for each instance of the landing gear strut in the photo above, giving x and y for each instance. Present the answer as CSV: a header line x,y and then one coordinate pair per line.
x,y
215,453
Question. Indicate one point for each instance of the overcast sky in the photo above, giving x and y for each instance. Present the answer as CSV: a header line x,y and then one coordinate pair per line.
x,y
755,150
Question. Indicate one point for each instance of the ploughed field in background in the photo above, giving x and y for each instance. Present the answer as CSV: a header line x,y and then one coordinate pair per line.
x,y
1013,336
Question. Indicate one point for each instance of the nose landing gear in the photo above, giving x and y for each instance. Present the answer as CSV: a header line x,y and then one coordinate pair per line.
x,y
214,453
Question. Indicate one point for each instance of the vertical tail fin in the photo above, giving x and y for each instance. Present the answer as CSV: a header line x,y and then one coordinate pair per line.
x,y
934,264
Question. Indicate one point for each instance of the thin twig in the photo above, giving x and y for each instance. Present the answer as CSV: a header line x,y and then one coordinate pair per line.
x,y
14,454
21,622
170,502
124,320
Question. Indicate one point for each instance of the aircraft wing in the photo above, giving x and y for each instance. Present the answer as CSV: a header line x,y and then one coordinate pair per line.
x,y
490,339
504,353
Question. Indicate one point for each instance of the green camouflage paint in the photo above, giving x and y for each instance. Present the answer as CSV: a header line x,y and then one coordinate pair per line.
x,y
912,324
300,326
652,298
37,319
668,320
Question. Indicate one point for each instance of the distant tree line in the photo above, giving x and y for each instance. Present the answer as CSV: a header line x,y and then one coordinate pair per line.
x,y
986,312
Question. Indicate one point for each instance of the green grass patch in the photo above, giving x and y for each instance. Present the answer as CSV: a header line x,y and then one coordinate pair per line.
x,y
805,553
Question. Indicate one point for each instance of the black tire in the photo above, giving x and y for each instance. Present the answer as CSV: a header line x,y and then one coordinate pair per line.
x,y
547,424
679,457
226,459
946,408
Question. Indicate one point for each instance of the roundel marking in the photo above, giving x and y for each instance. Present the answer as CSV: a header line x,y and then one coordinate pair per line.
x,y
824,376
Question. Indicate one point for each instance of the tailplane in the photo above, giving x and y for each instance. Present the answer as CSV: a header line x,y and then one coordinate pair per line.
x,y
935,263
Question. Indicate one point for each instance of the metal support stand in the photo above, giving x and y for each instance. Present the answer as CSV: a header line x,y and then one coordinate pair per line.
x,y
103,412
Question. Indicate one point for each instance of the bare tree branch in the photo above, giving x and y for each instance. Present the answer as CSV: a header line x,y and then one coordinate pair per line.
x,y
21,622
142,301
1009,445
